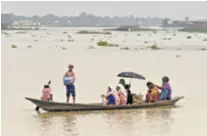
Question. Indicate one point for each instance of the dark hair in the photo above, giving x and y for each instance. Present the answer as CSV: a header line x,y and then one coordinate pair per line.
x,y
70,65
46,86
127,86
166,78
149,83
122,81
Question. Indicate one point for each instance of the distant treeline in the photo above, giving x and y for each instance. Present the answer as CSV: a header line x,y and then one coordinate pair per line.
x,y
83,19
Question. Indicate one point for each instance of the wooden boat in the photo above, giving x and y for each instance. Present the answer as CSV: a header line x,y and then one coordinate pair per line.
x,y
57,106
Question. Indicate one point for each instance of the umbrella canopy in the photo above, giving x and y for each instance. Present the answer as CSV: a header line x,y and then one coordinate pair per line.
x,y
131,75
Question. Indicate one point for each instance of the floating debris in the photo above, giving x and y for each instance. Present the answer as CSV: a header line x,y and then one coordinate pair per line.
x,y
177,56
63,48
92,32
64,32
205,39
138,34
204,49
125,48
21,32
70,40
29,46
155,32
5,33
91,47
145,41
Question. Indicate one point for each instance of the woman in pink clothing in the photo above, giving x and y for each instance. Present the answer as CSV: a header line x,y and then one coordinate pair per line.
x,y
46,93
121,95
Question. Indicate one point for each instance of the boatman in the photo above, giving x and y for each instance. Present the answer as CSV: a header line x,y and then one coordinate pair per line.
x,y
69,80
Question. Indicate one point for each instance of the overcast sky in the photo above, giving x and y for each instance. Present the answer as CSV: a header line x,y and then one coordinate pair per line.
x,y
174,10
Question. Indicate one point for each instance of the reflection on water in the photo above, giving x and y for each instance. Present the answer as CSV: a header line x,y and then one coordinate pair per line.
x,y
119,122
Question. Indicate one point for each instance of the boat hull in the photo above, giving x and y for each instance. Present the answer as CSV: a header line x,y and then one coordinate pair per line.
x,y
58,107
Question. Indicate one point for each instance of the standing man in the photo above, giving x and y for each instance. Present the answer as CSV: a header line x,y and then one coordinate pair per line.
x,y
69,80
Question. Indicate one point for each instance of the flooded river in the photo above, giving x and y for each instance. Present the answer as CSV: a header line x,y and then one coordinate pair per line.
x,y
25,71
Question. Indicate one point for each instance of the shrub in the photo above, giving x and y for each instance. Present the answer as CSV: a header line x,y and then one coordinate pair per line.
x,y
102,43
154,47
14,46
106,44
189,37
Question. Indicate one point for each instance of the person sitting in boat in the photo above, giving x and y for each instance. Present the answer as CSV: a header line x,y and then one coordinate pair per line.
x,y
69,80
111,97
152,93
166,89
121,95
129,95
122,85
46,93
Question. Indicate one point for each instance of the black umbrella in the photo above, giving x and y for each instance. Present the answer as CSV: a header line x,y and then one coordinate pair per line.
x,y
131,75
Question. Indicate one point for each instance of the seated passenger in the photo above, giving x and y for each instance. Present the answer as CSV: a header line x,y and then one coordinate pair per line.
x,y
122,85
166,89
46,93
111,97
152,93
129,95
121,95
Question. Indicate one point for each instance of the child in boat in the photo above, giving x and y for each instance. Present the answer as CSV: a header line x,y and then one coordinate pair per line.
x,y
152,93
121,95
129,95
166,89
46,93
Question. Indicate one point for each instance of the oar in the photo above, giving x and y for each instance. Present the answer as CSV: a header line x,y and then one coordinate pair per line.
x,y
37,108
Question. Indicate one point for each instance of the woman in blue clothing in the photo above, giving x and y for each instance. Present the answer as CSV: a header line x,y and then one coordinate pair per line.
x,y
110,98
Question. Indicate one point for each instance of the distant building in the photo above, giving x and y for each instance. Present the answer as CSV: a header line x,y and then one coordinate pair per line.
x,y
25,23
197,25
175,23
